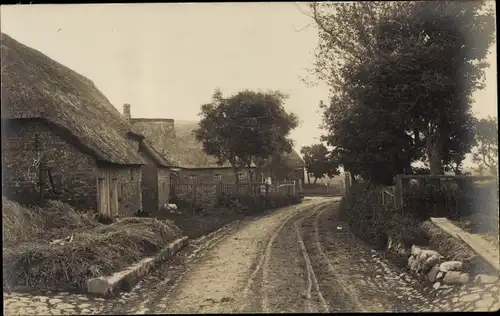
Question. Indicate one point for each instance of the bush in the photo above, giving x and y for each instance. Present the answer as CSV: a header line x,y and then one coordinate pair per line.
x,y
374,223
248,204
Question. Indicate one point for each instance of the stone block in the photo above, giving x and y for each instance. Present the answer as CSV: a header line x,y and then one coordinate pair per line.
x,y
412,263
485,279
455,277
99,285
451,266
431,276
415,250
105,286
430,262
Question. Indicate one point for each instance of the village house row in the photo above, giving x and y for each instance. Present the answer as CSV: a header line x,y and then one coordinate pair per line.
x,y
62,139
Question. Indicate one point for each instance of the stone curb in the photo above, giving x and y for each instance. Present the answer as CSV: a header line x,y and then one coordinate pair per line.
x,y
107,285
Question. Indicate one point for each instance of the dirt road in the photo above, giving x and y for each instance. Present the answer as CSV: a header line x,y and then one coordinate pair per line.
x,y
299,259
296,259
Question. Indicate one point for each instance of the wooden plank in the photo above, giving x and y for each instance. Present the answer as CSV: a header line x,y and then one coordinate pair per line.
x,y
443,177
398,194
480,246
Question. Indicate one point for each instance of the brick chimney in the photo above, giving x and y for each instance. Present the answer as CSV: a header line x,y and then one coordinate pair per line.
x,y
126,111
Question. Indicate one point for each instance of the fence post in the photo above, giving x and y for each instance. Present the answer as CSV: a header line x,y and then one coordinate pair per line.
x,y
347,181
194,192
398,194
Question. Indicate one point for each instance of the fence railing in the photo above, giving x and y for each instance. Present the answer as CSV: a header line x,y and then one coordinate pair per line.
x,y
458,188
208,192
387,195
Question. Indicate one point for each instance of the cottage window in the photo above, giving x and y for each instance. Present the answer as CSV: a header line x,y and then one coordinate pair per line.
x,y
241,175
217,177
192,177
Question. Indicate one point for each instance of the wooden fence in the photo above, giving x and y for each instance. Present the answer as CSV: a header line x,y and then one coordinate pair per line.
x,y
208,192
396,195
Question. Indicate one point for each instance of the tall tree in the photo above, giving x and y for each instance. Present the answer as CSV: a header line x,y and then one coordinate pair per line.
x,y
319,162
413,63
485,153
246,128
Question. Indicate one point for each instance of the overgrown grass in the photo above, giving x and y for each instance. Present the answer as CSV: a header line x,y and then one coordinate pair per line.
x,y
198,220
22,224
374,223
29,259
197,225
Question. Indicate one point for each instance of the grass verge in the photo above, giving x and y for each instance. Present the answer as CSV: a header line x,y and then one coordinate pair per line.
x,y
30,261
199,220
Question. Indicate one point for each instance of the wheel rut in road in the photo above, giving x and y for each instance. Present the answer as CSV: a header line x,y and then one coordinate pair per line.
x,y
296,259
292,260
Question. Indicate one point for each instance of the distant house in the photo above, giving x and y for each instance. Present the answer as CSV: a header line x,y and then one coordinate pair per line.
x,y
176,141
155,174
292,169
62,139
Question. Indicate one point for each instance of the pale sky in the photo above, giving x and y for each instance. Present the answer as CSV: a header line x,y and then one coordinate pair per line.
x,y
167,59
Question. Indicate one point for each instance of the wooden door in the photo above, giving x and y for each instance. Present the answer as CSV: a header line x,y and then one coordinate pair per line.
x,y
104,194
114,194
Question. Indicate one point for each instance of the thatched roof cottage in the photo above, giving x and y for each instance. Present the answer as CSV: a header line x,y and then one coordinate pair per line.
x,y
176,141
63,139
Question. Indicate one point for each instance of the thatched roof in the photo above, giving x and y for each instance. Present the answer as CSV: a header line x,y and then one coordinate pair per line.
x,y
35,86
293,160
190,151
155,155
177,142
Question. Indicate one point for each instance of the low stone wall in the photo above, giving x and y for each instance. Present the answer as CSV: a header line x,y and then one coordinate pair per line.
x,y
451,264
432,266
107,285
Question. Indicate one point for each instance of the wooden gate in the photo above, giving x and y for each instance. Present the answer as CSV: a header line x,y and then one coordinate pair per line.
x,y
114,194
107,186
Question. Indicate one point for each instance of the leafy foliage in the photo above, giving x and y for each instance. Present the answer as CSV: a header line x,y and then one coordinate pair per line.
x,y
248,204
401,76
485,152
319,162
374,223
246,129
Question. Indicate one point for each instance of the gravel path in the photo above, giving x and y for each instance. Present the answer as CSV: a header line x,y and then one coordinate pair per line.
x,y
297,259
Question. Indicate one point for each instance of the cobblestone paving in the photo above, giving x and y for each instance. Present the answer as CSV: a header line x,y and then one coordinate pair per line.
x,y
381,278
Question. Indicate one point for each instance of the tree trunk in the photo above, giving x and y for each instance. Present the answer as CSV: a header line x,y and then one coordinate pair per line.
x,y
434,154
353,178
250,180
315,179
308,178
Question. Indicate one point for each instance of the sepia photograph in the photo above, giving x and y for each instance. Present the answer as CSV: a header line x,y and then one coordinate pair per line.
x,y
249,157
